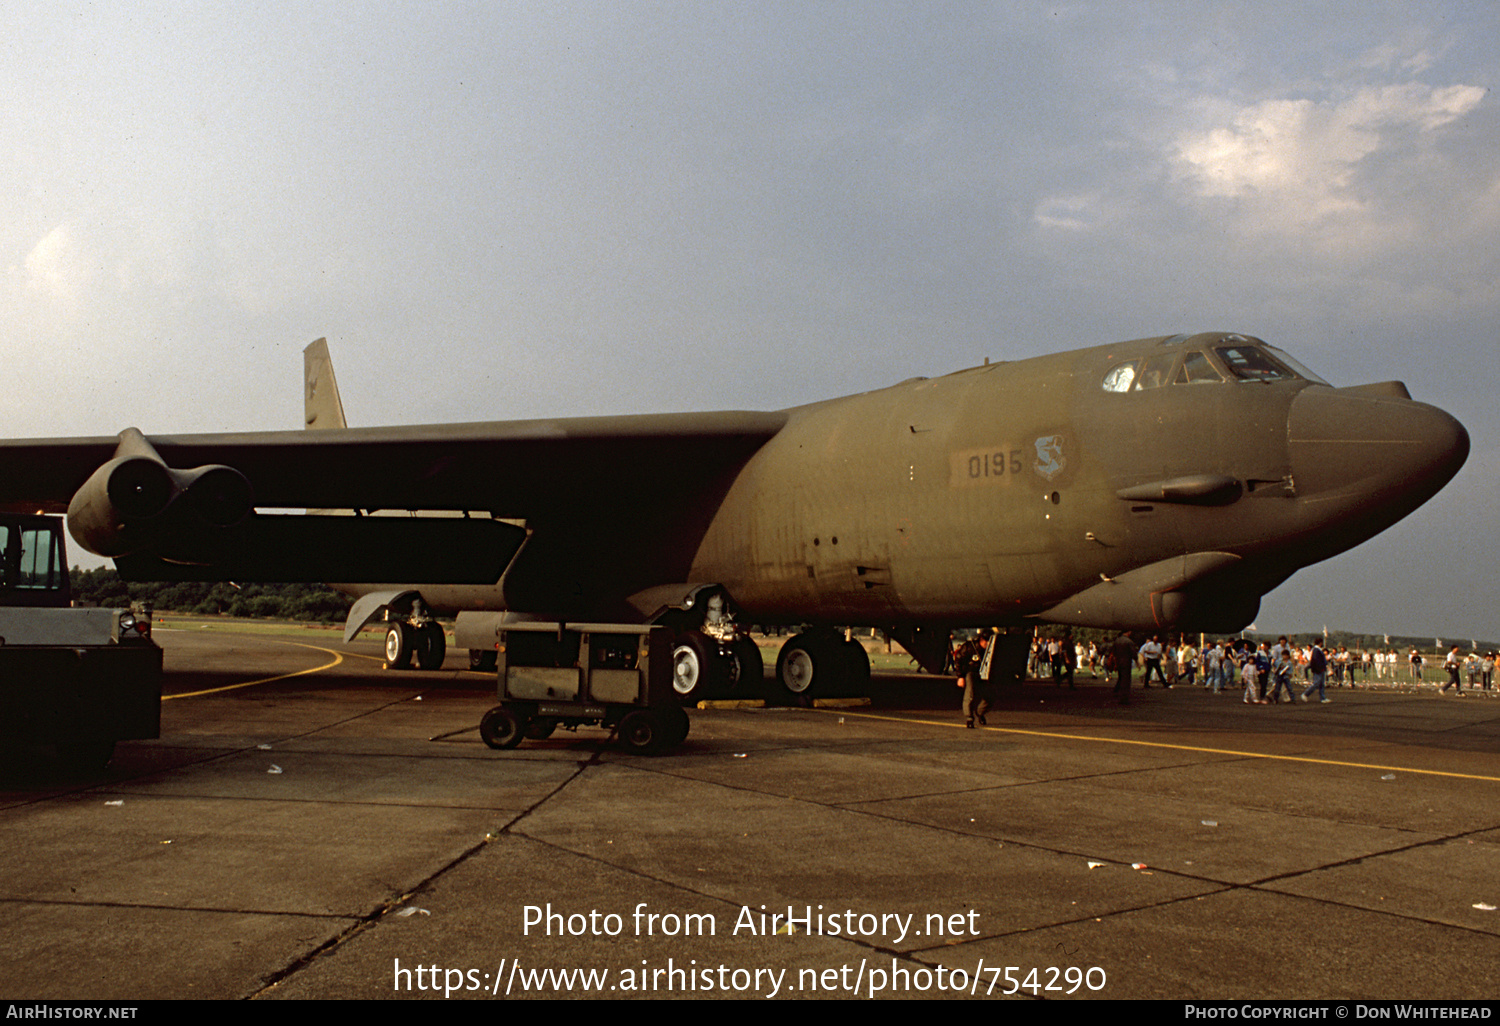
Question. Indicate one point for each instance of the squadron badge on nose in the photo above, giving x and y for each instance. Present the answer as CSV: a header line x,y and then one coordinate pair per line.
x,y
1049,456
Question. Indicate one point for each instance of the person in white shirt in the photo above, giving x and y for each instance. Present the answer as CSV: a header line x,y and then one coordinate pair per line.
x,y
1451,664
1151,657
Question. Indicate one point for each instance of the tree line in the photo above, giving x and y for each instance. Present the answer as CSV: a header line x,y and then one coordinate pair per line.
x,y
320,603
310,602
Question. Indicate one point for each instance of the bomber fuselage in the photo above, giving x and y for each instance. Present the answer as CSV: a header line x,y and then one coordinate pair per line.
x,y
1209,466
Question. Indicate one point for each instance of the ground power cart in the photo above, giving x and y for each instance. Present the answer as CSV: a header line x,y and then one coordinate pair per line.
x,y
550,675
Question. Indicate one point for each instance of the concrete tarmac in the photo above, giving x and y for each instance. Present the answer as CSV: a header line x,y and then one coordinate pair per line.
x,y
310,826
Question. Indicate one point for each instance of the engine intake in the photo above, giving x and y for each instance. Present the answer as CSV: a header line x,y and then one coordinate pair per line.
x,y
127,504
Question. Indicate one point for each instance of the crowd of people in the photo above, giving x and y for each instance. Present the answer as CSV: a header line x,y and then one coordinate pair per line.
x,y
1265,670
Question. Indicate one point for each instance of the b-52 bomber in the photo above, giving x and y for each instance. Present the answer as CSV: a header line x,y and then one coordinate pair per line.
x,y
1161,484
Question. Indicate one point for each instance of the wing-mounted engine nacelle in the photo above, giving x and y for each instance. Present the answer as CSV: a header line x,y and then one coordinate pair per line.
x,y
127,504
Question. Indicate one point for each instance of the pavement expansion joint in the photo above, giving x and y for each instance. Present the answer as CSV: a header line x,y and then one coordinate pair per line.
x,y
157,906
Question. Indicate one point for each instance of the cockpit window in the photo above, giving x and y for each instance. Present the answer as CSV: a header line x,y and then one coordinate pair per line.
x,y
1238,358
1197,370
1296,367
1250,363
1155,372
1119,379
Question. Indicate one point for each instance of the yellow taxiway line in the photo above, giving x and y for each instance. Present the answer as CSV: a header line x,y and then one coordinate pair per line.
x,y
1185,748
338,657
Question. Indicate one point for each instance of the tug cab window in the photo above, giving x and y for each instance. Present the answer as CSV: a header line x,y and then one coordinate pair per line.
x,y
40,566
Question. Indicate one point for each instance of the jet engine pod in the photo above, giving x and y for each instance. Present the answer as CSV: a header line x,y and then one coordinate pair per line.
x,y
114,512
218,494
126,505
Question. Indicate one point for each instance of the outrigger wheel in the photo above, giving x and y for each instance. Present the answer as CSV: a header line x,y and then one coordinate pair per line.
x,y
399,644
431,645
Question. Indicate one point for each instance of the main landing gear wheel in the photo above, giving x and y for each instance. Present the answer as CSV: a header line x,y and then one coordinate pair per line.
x,y
399,645
802,664
431,646
856,667
698,671
501,728
818,665
747,667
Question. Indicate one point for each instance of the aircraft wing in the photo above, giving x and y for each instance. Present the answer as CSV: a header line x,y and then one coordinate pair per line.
x,y
575,475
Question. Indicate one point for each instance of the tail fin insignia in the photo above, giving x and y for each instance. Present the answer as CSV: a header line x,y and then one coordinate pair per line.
x,y
322,405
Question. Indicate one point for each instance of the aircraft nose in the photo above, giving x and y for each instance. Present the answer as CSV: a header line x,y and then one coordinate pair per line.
x,y
1364,446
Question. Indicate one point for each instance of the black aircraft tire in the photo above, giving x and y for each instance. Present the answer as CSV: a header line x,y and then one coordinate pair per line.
x,y
748,667
501,728
810,666
644,732
399,643
698,671
431,645
857,668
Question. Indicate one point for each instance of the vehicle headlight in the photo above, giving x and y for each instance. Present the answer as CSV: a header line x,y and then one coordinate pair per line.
x,y
132,626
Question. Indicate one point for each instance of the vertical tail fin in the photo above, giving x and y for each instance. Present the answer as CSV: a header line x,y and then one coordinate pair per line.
x,y
322,405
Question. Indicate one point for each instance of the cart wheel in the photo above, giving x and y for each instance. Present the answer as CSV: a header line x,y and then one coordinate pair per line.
x,y
500,728
541,728
675,722
643,732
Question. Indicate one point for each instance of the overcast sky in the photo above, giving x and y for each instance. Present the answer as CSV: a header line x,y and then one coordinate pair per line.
x,y
509,210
